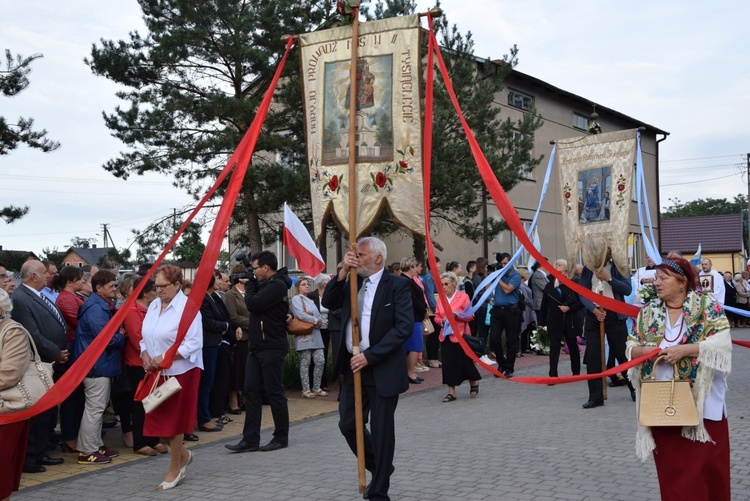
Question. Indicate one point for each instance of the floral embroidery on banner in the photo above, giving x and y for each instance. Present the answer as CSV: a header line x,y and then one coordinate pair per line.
x,y
327,183
384,179
620,202
567,195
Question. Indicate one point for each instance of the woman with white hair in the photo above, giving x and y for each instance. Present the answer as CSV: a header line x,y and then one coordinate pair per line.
x,y
742,298
15,355
325,332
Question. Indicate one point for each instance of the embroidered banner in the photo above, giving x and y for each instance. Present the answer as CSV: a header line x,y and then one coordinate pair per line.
x,y
596,178
388,124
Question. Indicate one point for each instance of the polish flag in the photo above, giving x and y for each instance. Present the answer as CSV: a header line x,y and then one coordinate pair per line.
x,y
301,245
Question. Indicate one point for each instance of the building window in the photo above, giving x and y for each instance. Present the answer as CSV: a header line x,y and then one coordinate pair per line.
x,y
519,100
517,138
523,259
580,122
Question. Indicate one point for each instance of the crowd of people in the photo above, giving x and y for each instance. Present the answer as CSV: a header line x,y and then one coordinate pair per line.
x,y
232,357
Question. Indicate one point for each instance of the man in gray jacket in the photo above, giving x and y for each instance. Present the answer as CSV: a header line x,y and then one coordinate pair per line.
x,y
48,329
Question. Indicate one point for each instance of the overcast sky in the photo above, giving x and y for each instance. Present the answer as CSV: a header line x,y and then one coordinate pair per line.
x,y
682,66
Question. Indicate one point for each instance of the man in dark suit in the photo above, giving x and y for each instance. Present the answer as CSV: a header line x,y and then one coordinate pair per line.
x,y
386,322
46,324
609,282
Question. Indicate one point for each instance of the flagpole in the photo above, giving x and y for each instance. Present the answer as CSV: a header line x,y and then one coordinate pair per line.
x,y
358,414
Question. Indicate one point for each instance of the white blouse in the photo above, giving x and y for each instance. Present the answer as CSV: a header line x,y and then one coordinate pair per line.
x,y
160,331
714,408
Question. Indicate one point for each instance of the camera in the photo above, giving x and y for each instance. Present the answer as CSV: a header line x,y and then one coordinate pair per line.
x,y
248,273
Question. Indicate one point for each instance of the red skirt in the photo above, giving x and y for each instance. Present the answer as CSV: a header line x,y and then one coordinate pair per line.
x,y
13,439
693,470
179,414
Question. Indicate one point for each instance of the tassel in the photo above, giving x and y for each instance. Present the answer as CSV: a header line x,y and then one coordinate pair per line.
x,y
644,443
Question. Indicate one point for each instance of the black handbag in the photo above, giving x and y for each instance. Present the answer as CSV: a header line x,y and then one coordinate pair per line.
x,y
475,344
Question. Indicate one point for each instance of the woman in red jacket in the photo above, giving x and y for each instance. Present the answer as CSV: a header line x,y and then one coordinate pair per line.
x,y
457,366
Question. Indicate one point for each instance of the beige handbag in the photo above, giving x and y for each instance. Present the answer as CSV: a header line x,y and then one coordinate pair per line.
x,y
160,393
666,403
427,327
36,381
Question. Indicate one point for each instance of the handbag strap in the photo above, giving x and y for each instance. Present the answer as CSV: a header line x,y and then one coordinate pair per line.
x,y
9,323
303,305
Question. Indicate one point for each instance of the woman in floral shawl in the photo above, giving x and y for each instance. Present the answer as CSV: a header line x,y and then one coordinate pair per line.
x,y
693,333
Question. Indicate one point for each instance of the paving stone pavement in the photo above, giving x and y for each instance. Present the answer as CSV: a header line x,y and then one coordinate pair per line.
x,y
513,442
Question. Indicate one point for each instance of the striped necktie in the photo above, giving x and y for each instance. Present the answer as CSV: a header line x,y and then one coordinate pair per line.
x,y
54,309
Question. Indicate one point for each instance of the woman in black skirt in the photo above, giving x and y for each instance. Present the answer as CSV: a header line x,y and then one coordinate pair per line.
x,y
457,366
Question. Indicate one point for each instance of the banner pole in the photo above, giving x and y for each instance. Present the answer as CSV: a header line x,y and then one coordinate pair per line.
x,y
603,357
358,414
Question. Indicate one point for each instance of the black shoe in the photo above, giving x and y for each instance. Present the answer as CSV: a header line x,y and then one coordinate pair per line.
x,y
632,390
234,412
414,381
190,437
420,379
48,461
592,403
619,382
243,446
274,445
37,468
508,374
217,427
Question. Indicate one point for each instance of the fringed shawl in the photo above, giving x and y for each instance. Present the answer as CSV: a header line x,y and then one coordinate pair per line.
x,y
707,325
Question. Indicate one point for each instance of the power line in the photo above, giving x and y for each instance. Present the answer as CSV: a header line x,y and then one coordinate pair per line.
x,y
695,159
700,167
698,180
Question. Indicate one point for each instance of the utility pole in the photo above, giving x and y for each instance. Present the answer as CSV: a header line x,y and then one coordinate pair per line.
x,y
747,249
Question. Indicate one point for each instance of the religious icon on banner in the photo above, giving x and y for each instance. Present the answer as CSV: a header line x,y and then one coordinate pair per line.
x,y
593,189
707,283
388,123
374,126
596,174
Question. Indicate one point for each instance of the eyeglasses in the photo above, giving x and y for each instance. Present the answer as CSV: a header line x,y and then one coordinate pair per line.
x,y
446,284
3,276
162,286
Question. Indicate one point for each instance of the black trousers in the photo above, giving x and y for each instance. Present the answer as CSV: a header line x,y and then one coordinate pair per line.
x,y
617,333
265,374
39,436
380,439
508,319
558,333
219,396
137,414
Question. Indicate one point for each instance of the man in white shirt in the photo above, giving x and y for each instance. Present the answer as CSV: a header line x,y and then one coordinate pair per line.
x,y
711,281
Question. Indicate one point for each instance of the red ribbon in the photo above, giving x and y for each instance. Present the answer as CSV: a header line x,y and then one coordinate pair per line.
x,y
239,162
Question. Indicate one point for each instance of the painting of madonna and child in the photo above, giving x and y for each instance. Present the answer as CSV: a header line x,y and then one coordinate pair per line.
x,y
374,125
593,195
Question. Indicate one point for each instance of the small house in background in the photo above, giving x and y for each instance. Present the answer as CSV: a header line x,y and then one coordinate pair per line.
x,y
720,237
188,269
14,259
88,255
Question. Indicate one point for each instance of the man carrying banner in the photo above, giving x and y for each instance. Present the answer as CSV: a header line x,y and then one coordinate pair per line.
x,y
266,300
608,282
386,322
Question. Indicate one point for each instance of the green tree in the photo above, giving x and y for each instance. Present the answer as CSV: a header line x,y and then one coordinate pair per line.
x,y
191,246
193,85
13,80
705,207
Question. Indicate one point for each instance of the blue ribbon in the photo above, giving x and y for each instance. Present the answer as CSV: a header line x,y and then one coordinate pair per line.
x,y
489,284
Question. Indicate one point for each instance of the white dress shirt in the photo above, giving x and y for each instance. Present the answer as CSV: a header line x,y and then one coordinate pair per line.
x,y
366,314
160,331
